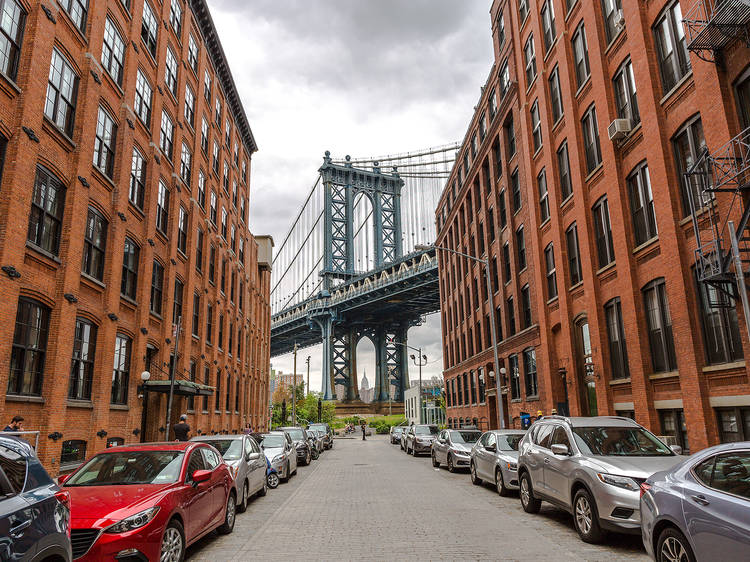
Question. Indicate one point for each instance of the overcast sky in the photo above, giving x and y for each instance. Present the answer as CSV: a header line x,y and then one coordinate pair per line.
x,y
359,77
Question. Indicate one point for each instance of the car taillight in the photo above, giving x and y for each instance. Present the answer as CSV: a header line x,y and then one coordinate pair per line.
x,y
645,488
63,497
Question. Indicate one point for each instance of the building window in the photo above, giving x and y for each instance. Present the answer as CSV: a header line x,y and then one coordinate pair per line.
x,y
29,348
212,210
734,424
226,177
536,126
82,367
207,382
642,205
526,319
233,238
223,284
563,166
555,95
207,86
11,31
511,317
515,377
143,96
673,425
618,353
193,53
217,111
529,369
186,162
157,287
62,89
228,133
113,51
78,12
221,331
137,179
199,250
659,323
500,31
212,264
149,29
73,452
604,246
177,303
189,105
548,24
204,135
501,211
217,405
529,59
224,223
549,260
241,253
201,189
504,79
574,254
689,144
104,144
590,130
121,371
162,208
510,137
515,186
175,16
671,49
47,206
94,244
166,137
216,158
129,282
626,99
520,249
581,55
743,99
506,263
610,9
541,181
721,333
523,9
182,226
230,338
170,71
209,323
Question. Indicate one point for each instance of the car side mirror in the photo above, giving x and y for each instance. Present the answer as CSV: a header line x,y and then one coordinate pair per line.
x,y
63,478
253,456
491,447
201,476
560,449
676,449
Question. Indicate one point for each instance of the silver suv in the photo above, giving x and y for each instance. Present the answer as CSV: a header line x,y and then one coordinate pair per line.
x,y
592,468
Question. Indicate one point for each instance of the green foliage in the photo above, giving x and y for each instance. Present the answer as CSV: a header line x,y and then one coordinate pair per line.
x,y
383,424
307,408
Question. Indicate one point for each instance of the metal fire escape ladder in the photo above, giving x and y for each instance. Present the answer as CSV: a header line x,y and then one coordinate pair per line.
x,y
725,170
711,25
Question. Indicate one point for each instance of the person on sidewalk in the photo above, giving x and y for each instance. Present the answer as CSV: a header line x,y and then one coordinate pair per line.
x,y
15,424
363,430
182,429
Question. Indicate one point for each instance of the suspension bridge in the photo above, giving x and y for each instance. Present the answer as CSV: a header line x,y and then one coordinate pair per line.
x,y
353,266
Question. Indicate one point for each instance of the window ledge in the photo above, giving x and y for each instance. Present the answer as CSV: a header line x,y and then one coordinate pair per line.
x,y
723,367
108,183
137,211
533,398
44,253
73,403
583,86
676,87
553,300
93,282
58,134
615,382
576,286
545,223
606,268
595,171
8,85
645,245
123,407
566,200
22,398
128,301
669,375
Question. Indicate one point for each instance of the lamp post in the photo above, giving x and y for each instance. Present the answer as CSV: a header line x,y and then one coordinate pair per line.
x,y
172,373
493,327
308,373
418,363
294,388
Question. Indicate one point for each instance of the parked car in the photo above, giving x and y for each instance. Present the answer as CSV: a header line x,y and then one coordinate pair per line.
x,y
149,501
34,512
301,444
592,467
320,436
328,440
700,509
246,463
402,440
396,431
494,458
316,446
280,452
419,438
453,446
272,476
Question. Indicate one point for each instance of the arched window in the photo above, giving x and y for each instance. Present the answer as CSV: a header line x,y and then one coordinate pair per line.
x,y
47,206
29,348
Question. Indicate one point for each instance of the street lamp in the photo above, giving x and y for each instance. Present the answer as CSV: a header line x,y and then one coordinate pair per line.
x,y
420,364
493,327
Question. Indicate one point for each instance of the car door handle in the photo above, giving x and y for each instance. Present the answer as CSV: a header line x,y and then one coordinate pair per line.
x,y
700,500
17,531
546,461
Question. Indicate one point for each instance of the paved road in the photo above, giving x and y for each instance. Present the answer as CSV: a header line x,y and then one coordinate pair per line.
x,y
405,510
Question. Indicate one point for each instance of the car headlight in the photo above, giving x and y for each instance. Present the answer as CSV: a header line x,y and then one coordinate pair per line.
x,y
460,452
134,521
618,481
277,458
512,466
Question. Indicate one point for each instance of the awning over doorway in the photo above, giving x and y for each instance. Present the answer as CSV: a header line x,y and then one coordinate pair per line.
x,y
181,388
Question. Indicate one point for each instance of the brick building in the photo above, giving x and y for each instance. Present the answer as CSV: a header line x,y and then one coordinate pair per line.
x,y
124,192
616,321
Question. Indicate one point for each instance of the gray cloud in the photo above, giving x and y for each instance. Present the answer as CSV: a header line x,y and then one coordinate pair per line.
x,y
360,77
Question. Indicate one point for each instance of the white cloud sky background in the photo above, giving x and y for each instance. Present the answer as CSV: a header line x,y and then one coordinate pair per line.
x,y
359,77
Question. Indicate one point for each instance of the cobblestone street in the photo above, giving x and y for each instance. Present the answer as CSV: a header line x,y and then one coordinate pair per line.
x,y
370,501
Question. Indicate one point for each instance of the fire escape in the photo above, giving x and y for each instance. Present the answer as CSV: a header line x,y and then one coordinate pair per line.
x,y
712,25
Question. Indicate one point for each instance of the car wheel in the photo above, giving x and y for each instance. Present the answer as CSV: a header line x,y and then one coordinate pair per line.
x,y
273,480
451,467
287,473
173,543
308,457
529,503
264,489
242,506
435,462
229,515
586,517
672,546
500,483
473,471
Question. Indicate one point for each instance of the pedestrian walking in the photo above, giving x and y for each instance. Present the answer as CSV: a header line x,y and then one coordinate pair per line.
x,y
15,424
363,430
248,429
182,429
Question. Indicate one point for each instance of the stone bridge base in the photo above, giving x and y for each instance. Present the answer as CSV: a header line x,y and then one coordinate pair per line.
x,y
364,410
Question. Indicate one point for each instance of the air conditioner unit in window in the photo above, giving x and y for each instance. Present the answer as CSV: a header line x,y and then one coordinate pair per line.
x,y
619,19
619,129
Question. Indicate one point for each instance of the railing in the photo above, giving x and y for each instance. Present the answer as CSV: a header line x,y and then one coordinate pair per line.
x,y
712,24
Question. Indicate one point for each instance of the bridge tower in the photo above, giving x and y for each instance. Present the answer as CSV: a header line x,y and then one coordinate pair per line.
x,y
341,185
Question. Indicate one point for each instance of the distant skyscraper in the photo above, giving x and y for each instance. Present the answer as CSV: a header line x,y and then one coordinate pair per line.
x,y
365,392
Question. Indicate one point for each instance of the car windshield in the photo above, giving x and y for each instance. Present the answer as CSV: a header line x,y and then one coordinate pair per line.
x,y
465,436
398,429
426,430
129,467
509,442
318,426
230,449
296,434
619,441
273,441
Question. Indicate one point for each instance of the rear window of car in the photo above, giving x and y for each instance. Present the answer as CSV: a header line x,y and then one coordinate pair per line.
x,y
14,467
426,430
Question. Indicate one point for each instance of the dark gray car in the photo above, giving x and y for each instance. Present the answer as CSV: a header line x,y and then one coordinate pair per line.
x,y
34,512
700,509
301,443
452,448
328,438
419,438
494,459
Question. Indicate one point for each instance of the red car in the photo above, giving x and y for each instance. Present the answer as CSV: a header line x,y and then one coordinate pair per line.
x,y
148,502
